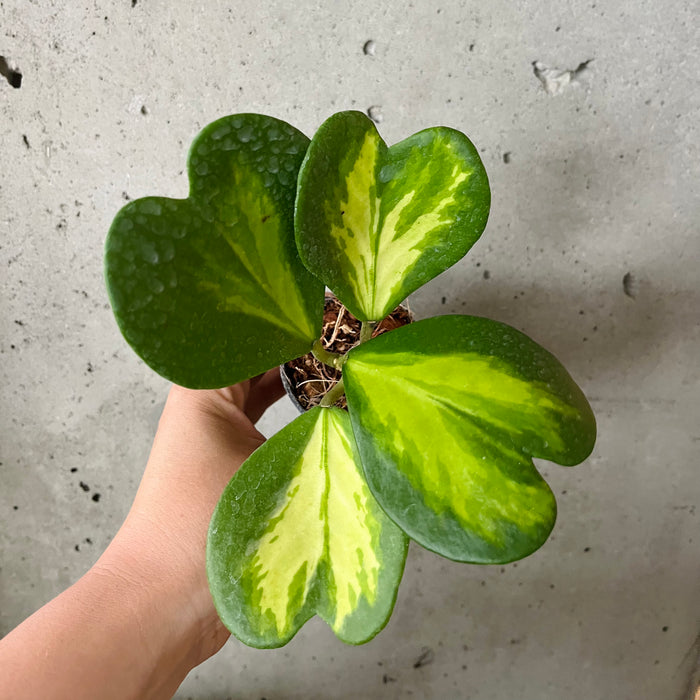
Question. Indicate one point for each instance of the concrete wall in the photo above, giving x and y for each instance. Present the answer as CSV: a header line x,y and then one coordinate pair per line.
x,y
595,180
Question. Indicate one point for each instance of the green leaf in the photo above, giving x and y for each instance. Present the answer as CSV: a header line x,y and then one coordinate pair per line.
x,y
210,290
448,414
297,533
375,223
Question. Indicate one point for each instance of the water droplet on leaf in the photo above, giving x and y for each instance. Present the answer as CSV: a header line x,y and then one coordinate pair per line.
x,y
245,134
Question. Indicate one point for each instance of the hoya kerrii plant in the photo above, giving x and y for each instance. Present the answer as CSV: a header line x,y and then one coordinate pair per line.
x,y
444,416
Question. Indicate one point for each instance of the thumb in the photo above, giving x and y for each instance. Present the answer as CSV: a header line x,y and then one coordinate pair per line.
x,y
265,389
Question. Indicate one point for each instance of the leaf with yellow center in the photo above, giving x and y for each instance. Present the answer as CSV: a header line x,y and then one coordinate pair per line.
x,y
448,414
297,532
375,223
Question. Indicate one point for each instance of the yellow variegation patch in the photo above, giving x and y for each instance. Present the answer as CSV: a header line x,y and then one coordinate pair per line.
x,y
277,554
325,516
352,536
399,248
454,437
481,387
357,234
253,230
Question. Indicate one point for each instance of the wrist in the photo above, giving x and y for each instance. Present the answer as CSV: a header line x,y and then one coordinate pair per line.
x,y
168,600
124,631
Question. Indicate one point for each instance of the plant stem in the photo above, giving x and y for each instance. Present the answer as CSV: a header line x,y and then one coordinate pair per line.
x,y
332,359
366,330
334,394
335,360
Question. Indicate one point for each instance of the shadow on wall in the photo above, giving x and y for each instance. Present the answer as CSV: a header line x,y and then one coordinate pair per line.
x,y
605,332
568,190
537,630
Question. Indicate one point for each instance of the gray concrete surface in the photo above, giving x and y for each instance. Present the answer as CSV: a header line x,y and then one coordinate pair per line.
x,y
595,176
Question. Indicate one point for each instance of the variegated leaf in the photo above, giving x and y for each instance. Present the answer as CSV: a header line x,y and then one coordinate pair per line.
x,y
297,533
375,223
448,414
210,290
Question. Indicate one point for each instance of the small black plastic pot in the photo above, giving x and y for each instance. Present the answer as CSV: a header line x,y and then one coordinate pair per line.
x,y
285,372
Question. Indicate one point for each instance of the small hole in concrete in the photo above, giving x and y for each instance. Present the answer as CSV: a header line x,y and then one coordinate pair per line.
x,y
375,114
12,75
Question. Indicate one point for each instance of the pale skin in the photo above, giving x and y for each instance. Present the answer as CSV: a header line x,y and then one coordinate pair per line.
x,y
142,617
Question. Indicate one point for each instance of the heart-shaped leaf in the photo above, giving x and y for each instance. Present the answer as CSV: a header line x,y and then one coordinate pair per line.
x,y
448,414
375,223
297,533
210,290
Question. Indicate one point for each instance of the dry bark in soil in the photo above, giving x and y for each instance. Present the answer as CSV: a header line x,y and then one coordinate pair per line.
x,y
310,378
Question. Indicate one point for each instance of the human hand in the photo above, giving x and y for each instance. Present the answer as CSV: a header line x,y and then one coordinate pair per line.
x,y
202,438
